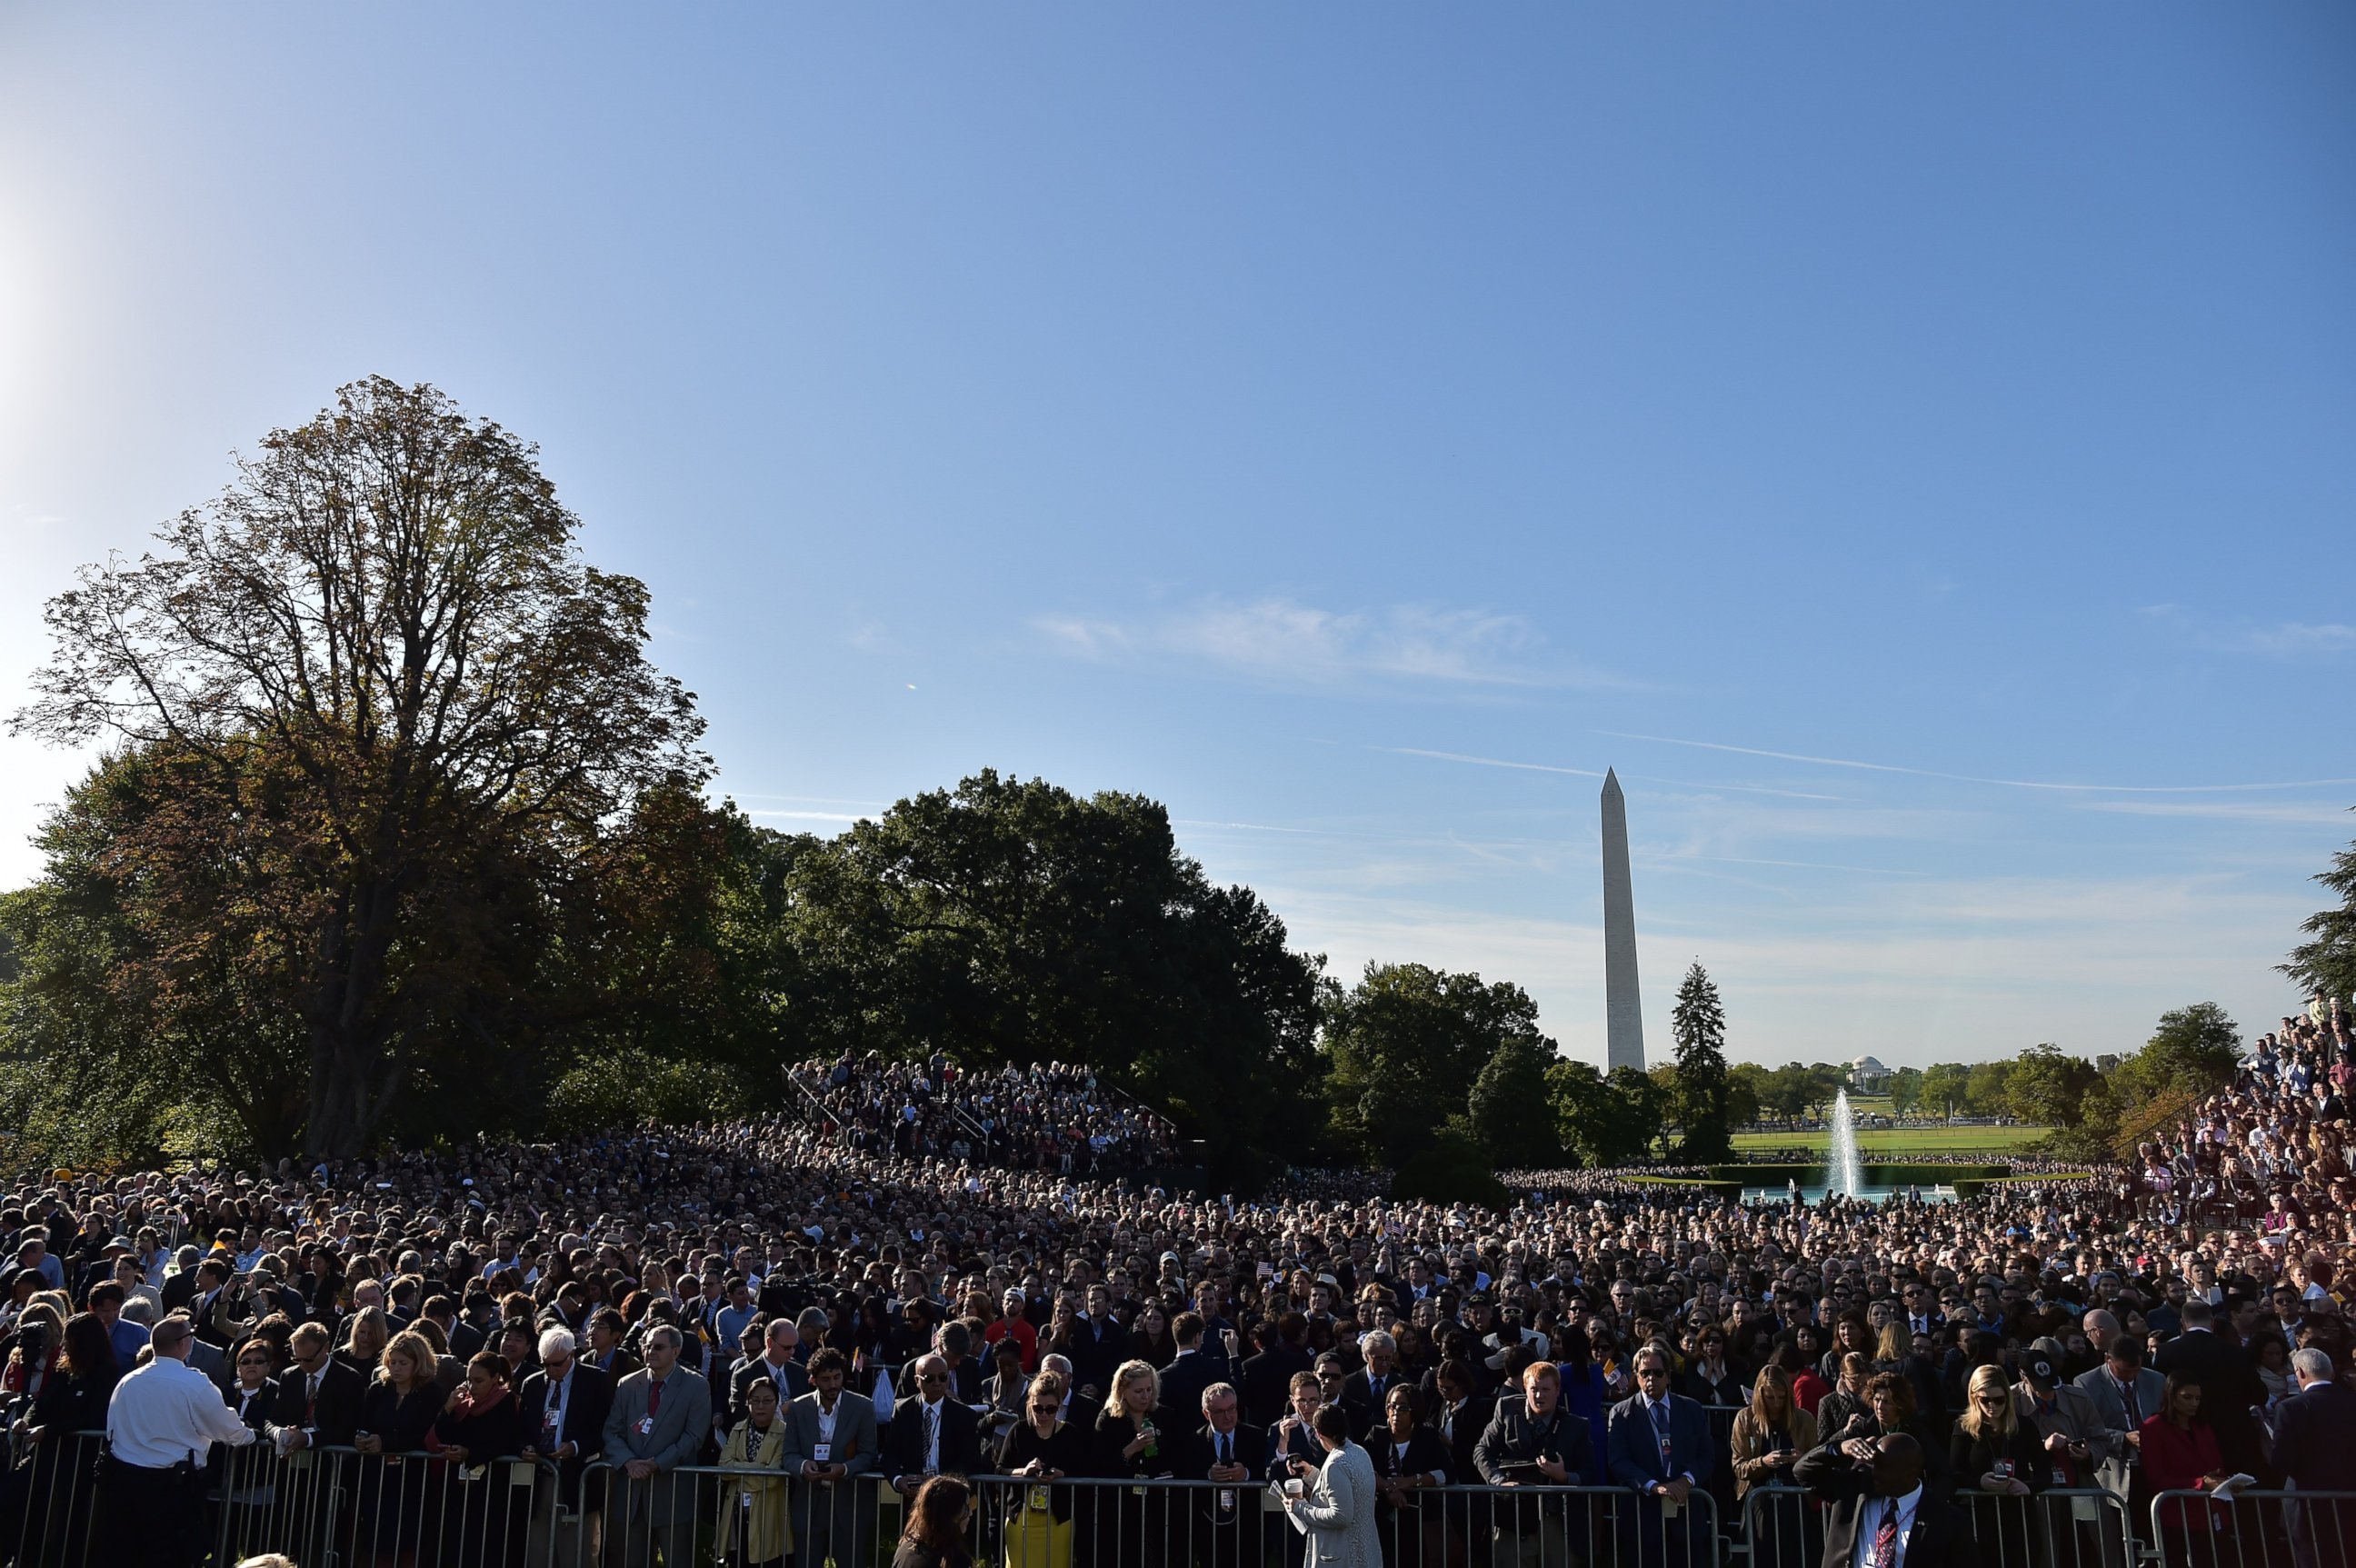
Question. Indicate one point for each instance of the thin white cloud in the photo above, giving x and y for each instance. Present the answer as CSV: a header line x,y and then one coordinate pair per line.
x,y
1280,640
1487,761
2297,637
2231,810
2288,638
1974,778
1591,773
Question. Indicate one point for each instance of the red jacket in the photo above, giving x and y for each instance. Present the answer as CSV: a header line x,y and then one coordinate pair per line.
x,y
2175,1460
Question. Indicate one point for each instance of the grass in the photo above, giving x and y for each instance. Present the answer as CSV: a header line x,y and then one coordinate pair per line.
x,y
1911,1142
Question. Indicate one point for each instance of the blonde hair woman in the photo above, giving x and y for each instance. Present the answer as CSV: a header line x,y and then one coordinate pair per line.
x,y
1996,1452
396,1412
366,1333
1128,1444
1770,1433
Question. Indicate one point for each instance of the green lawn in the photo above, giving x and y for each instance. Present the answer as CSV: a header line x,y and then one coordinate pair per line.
x,y
1908,1141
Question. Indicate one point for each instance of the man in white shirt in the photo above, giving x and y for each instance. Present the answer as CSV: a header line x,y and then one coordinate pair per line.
x,y
163,1420
1878,1514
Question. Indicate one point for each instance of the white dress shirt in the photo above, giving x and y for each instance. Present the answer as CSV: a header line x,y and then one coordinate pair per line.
x,y
1870,1514
165,1412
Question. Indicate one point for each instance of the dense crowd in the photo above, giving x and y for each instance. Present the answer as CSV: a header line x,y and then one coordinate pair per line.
x,y
1042,1115
2025,1338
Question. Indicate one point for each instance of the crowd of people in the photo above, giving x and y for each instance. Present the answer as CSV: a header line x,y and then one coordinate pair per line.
x,y
1047,1116
862,1319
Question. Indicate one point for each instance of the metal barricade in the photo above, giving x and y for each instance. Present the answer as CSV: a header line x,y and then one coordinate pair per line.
x,y
1783,1527
48,1498
323,1507
338,1508
1209,1524
2254,1530
735,1516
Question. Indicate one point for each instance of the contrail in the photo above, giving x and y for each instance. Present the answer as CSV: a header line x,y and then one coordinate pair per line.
x,y
1972,778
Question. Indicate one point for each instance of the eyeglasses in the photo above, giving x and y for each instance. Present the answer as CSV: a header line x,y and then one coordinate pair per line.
x,y
934,1378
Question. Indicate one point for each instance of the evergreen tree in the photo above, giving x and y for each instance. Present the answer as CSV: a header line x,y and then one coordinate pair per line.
x,y
1698,1022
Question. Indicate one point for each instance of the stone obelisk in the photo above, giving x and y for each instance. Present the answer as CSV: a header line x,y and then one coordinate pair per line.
x,y
1624,1009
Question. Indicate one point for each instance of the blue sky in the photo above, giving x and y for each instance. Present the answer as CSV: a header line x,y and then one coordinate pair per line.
x,y
1356,427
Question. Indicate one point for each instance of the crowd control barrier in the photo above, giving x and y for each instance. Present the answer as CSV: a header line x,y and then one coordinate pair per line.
x,y
2254,1530
1783,1527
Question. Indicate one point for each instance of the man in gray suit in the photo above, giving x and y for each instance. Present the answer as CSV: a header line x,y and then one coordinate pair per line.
x,y
659,1417
2125,1394
830,1447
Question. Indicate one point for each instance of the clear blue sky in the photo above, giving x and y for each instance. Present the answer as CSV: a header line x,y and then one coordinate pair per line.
x,y
1247,405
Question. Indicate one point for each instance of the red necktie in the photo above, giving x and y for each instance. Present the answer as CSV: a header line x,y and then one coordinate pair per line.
x,y
1885,1540
654,1399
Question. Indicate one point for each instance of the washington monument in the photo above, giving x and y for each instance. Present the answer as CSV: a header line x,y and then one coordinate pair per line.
x,y
1624,1010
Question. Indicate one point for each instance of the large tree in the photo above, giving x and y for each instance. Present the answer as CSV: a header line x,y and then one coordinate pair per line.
x,y
380,651
1605,1121
1013,921
2048,1089
1508,1106
1698,1024
1404,1046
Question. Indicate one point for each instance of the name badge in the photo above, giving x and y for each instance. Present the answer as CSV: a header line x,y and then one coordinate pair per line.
x,y
646,1427
821,1453
1226,1500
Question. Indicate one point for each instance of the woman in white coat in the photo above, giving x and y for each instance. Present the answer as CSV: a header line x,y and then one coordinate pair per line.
x,y
1339,1506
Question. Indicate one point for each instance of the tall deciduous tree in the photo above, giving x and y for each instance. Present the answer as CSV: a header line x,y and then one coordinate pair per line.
x,y
2048,1089
383,638
1508,1108
1698,1024
1013,921
1404,1046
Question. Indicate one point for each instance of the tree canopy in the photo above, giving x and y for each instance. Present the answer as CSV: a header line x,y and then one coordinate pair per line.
x,y
371,704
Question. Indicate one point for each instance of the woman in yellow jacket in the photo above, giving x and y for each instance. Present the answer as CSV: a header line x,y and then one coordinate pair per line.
x,y
754,1529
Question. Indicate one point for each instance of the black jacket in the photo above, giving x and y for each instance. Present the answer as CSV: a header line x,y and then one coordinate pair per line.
x,y
903,1441
1268,1382
1941,1537
794,1384
1182,1382
589,1400
337,1414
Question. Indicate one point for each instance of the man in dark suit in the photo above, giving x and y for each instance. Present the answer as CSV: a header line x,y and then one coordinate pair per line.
x,y
1883,1502
1533,1441
2229,1383
1268,1374
1363,1391
1190,1372
1223,1449
564,1405
1291,1436
319,1401
2315,1448
1922,1314
931,1434
1657,1445
775,1364
318,1396
1098,1342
